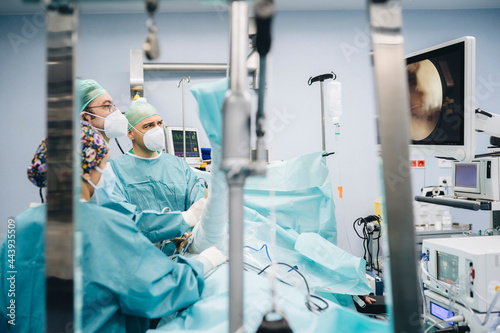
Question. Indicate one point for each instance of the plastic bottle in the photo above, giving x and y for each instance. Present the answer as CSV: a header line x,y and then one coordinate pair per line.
x,y
447,220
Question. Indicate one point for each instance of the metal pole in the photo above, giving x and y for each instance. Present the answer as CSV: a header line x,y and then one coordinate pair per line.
x,y
198,67
323,141
183,125
183,116
394,128
236,155
62,159
236,254
239,45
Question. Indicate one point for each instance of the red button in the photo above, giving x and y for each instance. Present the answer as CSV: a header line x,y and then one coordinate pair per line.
x,y
473,273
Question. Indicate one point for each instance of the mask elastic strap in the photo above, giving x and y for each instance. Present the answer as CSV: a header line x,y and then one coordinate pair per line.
x,y
93,114
91,184
97,128
138,130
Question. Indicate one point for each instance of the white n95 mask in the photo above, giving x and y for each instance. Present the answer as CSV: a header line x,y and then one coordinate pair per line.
x,y
103,190
154,139
115,124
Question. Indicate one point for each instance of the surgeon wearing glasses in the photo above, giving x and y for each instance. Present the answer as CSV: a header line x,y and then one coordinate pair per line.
x,y
98,109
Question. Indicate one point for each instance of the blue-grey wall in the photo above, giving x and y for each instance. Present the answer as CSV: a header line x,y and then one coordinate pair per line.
x,y
305,44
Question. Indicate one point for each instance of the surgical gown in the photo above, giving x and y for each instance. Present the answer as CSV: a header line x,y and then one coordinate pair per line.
x,y
126,279
164,181
156,226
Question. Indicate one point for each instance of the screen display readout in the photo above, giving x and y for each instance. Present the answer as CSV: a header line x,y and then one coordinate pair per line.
x,y
192,149
437,93
466,174
440,312
447,267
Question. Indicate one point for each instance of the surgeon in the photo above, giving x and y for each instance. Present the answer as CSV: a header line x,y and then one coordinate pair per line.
x,y
150,179
126,279
97,108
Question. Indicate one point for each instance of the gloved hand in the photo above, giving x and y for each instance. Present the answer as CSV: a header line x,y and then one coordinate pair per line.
x,y
211,258
193,214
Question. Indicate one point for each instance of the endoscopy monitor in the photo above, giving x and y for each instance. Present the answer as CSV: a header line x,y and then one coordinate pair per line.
x,y
175,144
441,89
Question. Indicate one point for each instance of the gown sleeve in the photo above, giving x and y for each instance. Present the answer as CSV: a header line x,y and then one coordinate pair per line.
x,y
146,282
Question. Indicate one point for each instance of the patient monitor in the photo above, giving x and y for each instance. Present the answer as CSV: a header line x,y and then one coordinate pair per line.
x,y
175,144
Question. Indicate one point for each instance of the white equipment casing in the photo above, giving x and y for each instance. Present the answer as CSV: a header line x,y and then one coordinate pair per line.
x,y
457,310
486,185
488,122
475,261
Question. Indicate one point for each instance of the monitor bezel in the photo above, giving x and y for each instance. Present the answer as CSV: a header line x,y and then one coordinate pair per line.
x,y
170,144
460,152
464,189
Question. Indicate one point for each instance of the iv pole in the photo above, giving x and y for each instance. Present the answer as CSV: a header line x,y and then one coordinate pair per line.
x,y
236,117
321,79
184,79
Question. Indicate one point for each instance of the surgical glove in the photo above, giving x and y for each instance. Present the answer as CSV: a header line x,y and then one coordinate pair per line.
x,y
211,258
193,214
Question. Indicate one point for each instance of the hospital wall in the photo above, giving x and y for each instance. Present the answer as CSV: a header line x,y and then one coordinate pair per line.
x,y
304,44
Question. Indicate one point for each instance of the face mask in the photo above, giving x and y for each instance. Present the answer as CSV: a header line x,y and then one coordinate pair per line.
x,y
103,190
115,125
154,139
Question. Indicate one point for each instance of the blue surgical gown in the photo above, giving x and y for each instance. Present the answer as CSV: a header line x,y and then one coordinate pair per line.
x,y
126,279
145,186
156,183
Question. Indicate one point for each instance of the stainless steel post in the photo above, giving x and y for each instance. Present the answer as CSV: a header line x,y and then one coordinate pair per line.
x,y
323,140
236,155
393,108
62,159
182,81
236,253
196,67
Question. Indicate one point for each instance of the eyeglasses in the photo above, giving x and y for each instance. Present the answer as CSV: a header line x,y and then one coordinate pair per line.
x,y
111,107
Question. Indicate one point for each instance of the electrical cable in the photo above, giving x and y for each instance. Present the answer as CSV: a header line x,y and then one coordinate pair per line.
x,y
424,302
368,237
492,305
378,250
476,294
359,221
317,307
263,246
486,230
116,140
455,319
41,195
308,296
191,190
257,270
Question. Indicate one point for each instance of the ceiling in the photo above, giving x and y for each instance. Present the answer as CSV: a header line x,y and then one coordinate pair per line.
x,y
132,6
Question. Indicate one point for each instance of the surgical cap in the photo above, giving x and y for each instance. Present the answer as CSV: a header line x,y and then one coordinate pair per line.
x,y
37,172
94,148
89,90
139,111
